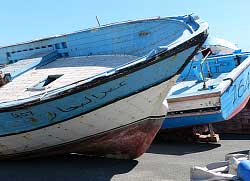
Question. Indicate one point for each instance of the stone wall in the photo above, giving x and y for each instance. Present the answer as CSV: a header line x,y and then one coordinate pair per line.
x,y
240,124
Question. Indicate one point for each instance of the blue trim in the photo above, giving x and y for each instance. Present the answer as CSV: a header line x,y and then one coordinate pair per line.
x,y
108,76
232,100
58,110
236,94
185,121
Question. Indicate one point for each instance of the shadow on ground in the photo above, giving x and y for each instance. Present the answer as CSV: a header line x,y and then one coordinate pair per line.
x,y
64,168
241,152
179,145
234,137
183,147
180,148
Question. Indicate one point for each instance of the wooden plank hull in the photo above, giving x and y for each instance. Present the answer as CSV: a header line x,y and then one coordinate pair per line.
x,y
52,123
122,124
191,120
234,96
105,114
127,142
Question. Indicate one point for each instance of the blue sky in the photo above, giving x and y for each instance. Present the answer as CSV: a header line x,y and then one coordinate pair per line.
x,y
30,19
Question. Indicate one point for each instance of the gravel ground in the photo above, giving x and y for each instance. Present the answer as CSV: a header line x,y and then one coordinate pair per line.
x,y
163,161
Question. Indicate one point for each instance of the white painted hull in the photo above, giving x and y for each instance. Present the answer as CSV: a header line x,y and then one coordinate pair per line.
x,y
140,106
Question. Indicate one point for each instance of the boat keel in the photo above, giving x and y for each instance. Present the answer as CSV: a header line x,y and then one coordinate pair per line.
x,y
127,142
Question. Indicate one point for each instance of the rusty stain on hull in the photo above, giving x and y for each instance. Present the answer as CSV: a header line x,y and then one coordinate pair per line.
x,y
125,143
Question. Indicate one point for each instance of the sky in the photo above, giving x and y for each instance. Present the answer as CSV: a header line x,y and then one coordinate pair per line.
x,y
32,19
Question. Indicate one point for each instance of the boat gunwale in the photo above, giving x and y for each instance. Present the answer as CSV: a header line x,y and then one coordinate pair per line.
x,y
200,38
224,84
106,104
176,19
234,74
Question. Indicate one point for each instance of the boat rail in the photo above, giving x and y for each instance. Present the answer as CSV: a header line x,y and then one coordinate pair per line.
x,y
44,95
204,60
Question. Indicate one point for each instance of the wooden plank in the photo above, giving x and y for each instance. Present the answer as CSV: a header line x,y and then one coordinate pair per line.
x,y
194,104
194,97
72,70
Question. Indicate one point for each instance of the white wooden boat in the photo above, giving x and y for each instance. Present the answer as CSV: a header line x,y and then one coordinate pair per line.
x,y
95,92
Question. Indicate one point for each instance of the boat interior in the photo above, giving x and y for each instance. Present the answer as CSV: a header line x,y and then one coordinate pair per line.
x,y
204,77
43,65
135,38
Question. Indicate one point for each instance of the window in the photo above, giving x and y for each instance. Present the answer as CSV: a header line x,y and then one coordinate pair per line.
x,y
66,54
8,54
57,45
42,85
64,44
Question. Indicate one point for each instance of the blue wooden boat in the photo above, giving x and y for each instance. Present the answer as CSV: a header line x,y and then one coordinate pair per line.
x,y
209,90
97,91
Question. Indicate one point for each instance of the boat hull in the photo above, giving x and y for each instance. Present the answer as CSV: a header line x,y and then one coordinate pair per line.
x,y
99,113
191,120
237,125
232,100
127,142
125,128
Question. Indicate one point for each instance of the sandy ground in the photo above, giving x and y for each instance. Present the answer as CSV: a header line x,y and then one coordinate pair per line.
x,y
163,161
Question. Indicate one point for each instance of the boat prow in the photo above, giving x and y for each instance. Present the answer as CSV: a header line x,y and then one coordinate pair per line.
x,y
102,96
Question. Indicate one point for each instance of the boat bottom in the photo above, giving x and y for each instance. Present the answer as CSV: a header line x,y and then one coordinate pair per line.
x,y
126,142
192,119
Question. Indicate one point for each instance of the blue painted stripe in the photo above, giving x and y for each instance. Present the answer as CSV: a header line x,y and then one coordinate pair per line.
x,y
185,121
233,97
120,38
231,100
55,111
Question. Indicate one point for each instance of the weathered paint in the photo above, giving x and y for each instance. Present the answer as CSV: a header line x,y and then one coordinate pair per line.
x,y
235,97
140,107
112,100
118,38
130,142
191,119
23,66
19,119
234,90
